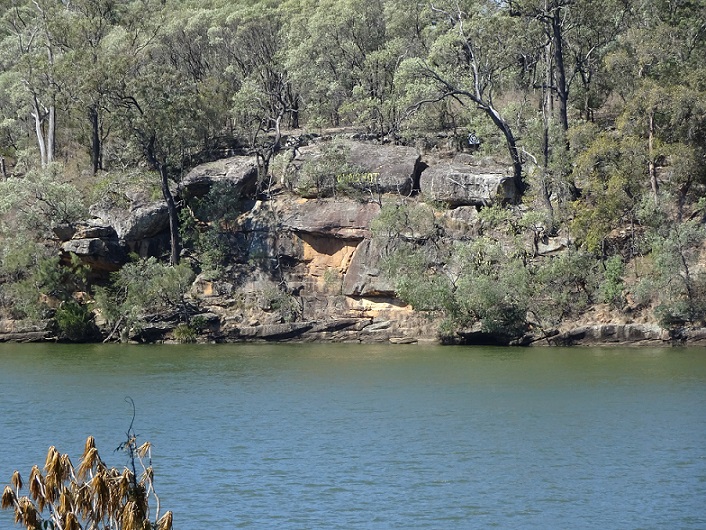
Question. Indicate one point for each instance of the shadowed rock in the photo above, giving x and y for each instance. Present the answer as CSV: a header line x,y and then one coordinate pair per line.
x,y
344,220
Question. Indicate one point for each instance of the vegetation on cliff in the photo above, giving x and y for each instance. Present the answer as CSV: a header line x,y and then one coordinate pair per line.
x,y
597,107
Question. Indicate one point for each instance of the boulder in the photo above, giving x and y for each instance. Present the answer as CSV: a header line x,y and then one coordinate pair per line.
x,y
365,166
396,168
552,245
462,181
138,222
102,255
239,171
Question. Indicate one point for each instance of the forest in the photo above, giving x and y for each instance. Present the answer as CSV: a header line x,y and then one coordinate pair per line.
x,y
597,106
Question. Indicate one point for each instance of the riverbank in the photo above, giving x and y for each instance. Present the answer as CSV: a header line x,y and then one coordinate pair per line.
x,y
369,331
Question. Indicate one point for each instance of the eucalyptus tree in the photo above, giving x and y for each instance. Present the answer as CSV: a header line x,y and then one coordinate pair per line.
x,y
659,71
472,59
160,109
266,100
655,145
28,57
328,44
86,68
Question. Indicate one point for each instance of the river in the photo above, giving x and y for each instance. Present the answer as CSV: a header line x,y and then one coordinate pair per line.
x,y
358,436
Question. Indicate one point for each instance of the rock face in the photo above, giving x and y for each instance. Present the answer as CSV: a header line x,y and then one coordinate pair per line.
x,y
105,241
305,269
97,246
363,276
461,182
337,219
138,222
633,334
20,331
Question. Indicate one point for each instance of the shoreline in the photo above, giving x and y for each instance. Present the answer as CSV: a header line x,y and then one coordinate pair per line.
x,y
353,331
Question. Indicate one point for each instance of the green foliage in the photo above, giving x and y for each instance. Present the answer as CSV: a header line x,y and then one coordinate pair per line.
x,y
475,284
41,200
611,172
331,174
409,221
613,285
273,299
205,226
221,205
185,333
567,284
75,322
675,285
34,280
141,288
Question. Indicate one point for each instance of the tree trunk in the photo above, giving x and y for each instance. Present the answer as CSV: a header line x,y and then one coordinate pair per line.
x,y
511,146
561,86
652,170
173,217
151,156
95,139
39,131
51,133
545,192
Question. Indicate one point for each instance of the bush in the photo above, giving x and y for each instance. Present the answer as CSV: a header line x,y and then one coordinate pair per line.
x,y
185,333
612,287
567,284
332,174
674,284
280,302
75,322
142,288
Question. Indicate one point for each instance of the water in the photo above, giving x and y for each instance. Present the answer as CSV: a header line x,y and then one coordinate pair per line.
x,y
358,437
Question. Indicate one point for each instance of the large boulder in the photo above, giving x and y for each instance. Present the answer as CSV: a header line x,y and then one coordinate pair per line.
x,y
97,246
363,166
395,168
136,222
238,171
464,181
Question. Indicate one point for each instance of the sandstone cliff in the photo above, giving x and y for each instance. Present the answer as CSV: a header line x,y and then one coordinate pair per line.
x,y
302,263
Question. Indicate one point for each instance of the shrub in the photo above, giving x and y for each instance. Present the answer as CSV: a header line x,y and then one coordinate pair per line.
x,y
331,174
185,333
75,322
91,495
567,284
612,287
280,302
141,288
